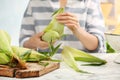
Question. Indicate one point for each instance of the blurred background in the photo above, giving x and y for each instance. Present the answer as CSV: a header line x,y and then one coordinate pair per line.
x,y
11,12
111,12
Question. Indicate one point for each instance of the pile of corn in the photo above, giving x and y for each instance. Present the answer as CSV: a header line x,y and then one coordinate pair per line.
x,y
16,56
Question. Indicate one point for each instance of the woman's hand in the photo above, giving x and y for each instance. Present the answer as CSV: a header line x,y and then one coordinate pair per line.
x,y
36,42
69,19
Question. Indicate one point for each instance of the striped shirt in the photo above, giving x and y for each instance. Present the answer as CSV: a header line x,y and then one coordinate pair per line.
x,y
38,15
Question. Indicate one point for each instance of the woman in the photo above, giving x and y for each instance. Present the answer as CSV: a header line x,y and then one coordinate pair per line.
x,y
84,25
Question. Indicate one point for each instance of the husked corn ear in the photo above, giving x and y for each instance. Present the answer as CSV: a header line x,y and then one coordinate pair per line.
x,y
4,59
54,29
34,55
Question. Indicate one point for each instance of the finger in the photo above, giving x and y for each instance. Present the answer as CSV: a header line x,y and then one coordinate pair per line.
x,y
39,34
72,27
66,14
43,45
66,18
67,22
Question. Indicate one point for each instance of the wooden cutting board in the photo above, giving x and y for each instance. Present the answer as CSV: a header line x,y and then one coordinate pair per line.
x,y
33,70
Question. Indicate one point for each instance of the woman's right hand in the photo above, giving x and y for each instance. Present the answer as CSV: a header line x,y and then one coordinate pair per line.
x,y
36,42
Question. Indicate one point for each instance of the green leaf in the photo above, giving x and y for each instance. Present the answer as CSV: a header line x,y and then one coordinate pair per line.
x,y
109,48
54,49
45,53
55,12
70,55
58,11
25,56
92,64
54,60
68,58
91,60
43,63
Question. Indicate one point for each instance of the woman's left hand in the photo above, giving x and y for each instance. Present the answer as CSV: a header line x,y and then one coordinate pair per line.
x,y
69,19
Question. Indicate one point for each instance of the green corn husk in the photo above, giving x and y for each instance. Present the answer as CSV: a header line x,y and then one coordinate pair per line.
x,y
8,37
5,43
54,25
51,35
85,57
5,47
70,54
28,54
109,48
69,59
4,59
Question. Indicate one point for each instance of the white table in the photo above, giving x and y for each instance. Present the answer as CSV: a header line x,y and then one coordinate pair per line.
x,y
109,71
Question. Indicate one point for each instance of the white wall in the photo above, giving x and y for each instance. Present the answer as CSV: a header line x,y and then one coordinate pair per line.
x,y
11,12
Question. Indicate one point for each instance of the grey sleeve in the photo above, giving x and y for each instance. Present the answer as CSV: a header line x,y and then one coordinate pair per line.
x,y
96,25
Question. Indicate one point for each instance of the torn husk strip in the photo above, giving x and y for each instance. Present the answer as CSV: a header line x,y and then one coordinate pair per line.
x,y
69,59
85,57
70,54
